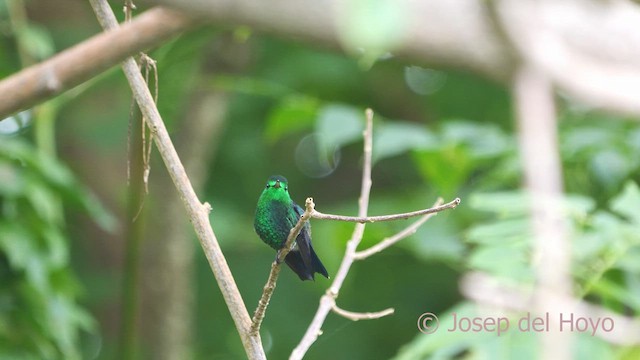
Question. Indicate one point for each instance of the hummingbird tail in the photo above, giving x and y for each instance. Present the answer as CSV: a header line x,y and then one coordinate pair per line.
x,y
317,264
295,262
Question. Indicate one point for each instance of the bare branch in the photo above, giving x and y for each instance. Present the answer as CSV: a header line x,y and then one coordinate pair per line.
x,y
385,243
310,212
371,219
198,212
88,59
328,299
603,72
446,33
590,49
538,142
270,286
267,292
355,316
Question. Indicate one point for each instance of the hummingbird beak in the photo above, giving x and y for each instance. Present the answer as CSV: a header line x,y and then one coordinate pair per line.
x,y
277,185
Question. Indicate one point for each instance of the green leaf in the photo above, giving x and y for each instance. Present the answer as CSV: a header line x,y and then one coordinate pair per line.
x,y
293,114
11,182
395,138
628,202
610,167
17,244
44,201
447,169
630,262
37,41
482,140
610,289
57,247
592,347
443,344
424,81
501,232
630,353
518,203
507,261
338,125
437,239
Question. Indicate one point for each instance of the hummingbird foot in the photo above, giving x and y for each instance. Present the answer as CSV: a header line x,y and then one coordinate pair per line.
x,y
277,260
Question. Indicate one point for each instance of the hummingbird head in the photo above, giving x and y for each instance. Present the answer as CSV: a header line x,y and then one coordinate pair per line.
x,y
277,182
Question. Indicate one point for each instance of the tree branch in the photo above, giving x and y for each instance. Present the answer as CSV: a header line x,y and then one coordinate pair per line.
x,y
387,242
88,59
451,34
443,33
462,34
355,316
198,212
538,143
309,213
270,286
328,300
371,219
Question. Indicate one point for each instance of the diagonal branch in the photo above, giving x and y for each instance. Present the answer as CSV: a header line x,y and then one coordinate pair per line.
x,y
328,300
408,231
198,212
88,59
270,286
309,213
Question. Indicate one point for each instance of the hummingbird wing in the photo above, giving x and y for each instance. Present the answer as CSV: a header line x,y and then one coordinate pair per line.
x,y
304,238
303,260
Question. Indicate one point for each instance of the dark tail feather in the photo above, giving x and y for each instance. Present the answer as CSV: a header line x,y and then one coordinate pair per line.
x,y
294,260
317,264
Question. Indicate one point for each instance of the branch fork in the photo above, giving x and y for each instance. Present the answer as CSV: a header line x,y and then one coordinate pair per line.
x,y
328,300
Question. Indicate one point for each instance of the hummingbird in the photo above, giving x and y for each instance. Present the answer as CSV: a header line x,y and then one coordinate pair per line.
x,y
276,215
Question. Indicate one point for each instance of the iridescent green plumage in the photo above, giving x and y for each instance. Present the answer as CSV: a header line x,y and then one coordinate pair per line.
x,y
276,214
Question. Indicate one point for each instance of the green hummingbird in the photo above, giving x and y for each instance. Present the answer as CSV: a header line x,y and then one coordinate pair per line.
x,y
276,214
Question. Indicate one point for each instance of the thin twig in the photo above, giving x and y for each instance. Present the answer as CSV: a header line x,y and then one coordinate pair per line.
x,y
128,8
310,212
370,219
147,63
197,211
270,286
385,243
328,299
355,316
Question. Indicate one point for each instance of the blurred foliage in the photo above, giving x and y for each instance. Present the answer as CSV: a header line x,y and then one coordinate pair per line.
x,y
39,313
299,111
